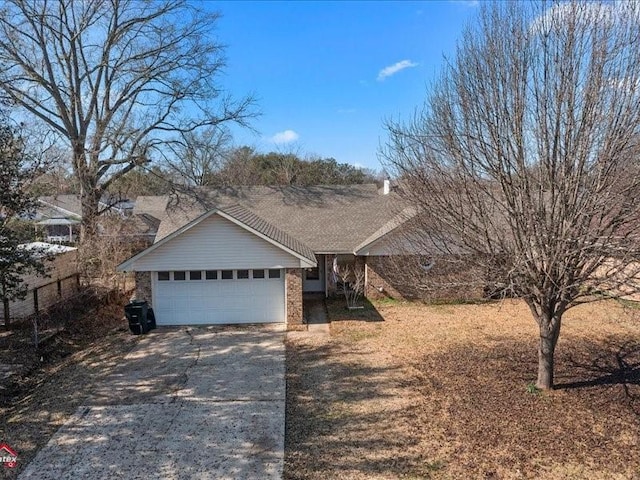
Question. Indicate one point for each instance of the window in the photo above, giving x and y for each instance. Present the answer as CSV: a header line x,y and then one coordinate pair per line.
x,y
227,274
163,276
242,274
211,275
179,275
274,273
195,275
312,273
258,274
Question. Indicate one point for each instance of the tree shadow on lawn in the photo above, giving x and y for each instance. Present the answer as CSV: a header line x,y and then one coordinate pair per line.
x,y
482,391
337,311
610,362
345,418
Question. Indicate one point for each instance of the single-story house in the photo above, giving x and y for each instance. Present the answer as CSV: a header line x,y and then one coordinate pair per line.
x,y
248,254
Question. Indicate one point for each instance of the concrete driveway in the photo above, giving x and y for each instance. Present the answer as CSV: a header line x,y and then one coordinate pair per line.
x,y
196,403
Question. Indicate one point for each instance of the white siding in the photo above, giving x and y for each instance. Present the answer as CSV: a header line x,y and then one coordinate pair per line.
x,y
216,243
207,302
395,244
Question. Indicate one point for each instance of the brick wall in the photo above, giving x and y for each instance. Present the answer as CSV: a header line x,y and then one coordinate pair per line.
x,y
143,286
377,283
293,292
403,277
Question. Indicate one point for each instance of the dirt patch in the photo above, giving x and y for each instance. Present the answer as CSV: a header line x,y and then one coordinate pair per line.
x,y
48,384
446,392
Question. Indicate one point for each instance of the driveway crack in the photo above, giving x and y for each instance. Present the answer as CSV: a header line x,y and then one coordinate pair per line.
x,y
184,377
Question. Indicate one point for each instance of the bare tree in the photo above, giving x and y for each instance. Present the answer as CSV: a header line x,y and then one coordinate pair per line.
x,y
115,79
352,281
199,156
524,159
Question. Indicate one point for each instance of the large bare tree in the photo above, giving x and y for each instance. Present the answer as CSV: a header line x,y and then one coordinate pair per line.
x,y
524,160
198,157
116,79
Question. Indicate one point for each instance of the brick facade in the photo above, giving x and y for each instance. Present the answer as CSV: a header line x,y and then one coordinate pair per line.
x,y
376,284
293,293
143,286
404,278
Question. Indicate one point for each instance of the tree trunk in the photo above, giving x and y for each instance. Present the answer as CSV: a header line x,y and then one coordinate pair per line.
x,y
7,314
545,364
549,333
90,201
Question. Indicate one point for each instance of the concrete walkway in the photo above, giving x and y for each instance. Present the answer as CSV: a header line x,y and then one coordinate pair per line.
x,y
188,403
316,315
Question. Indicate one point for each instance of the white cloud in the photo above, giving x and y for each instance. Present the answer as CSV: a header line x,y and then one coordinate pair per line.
x,y
559,15
395,68
287,136
467,3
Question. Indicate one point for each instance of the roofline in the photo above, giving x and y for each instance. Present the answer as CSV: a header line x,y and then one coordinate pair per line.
x,y
344,252
124,266
361,247
312,263
60,209
368,242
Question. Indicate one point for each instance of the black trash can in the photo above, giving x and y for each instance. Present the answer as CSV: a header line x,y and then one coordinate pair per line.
x,y
140,316
151,318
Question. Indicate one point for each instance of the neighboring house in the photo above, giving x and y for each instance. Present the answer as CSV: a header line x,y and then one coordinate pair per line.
x,y
60,282
60,217
247,254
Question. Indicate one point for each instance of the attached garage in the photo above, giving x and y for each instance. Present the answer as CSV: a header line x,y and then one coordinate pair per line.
x,y
219,296
225,267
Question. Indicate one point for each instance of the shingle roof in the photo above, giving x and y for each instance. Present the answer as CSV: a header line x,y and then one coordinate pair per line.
x,y
70,203
150,205
391,225
260,225
327,219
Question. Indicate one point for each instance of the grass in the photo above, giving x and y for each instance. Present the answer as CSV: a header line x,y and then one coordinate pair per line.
x,y
632,304
448,392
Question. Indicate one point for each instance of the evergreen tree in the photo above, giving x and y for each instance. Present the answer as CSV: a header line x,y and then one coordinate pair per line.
x,y
15,202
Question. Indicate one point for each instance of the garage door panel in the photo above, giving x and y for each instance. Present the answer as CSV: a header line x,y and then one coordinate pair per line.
x,y
188,302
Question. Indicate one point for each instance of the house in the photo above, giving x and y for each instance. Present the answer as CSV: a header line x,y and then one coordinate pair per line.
x,y
248,254
60,217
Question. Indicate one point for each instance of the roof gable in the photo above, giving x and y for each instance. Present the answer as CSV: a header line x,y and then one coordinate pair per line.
x,y
243,220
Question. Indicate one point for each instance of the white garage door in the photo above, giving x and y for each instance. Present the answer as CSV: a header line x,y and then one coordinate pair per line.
x,y
219,296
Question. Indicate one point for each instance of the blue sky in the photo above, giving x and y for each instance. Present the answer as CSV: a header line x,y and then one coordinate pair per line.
x,y
327,74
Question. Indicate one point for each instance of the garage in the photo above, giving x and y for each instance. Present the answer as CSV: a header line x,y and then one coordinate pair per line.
x,y
223,267
228,296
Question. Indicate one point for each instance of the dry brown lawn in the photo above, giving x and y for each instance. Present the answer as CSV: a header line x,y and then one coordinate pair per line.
x,y
445,391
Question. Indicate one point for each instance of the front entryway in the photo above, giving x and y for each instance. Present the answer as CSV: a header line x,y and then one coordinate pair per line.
x,y
313,279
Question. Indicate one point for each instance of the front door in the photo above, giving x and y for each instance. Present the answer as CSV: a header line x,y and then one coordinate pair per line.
x,y
313,278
